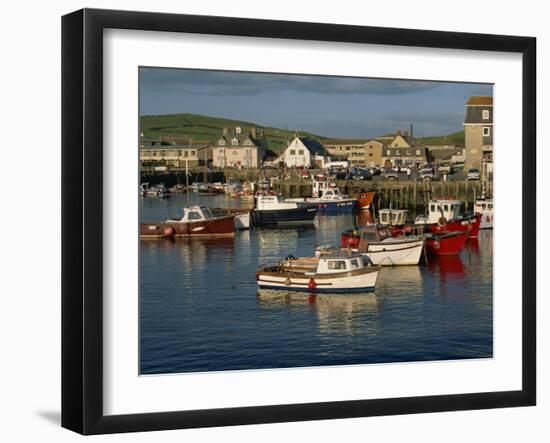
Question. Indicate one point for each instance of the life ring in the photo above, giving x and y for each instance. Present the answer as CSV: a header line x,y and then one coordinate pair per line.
x,y
312,284
442,221
436,244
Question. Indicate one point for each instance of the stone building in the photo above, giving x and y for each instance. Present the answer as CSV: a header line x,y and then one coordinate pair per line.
x,y
304,152
239,149
478,132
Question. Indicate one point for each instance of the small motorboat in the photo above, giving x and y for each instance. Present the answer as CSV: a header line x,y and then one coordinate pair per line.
x,y
272,210
335,273
446,243
377,243
160,190
197,221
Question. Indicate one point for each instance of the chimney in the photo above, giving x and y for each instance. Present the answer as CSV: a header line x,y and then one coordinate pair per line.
x,y
253,132
398,132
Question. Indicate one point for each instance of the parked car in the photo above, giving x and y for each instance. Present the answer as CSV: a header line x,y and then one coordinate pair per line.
x,y
426,174
361,174
473,174
389,174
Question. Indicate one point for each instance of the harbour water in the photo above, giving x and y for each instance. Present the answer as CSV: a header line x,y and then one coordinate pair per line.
x,y
200,309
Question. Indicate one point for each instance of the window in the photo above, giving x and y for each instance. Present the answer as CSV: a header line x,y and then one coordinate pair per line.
x,y
185,154
432,208
192,153
418,152
337,265
486,131
194,215
388,152
446,208
485,114
300,152
354,263
397,152
293,152
370,154
347,148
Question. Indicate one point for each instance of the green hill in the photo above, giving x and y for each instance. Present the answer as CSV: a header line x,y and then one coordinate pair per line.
x,y
456,138
179,128
182,127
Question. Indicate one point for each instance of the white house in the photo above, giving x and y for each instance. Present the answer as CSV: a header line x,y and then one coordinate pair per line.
x,y
303,152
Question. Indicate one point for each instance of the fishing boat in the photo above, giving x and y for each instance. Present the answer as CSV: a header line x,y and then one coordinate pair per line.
x,y
272,210
365,200
484,208
377,243
160,190
444,216
332,201
446,243
197,221
337,273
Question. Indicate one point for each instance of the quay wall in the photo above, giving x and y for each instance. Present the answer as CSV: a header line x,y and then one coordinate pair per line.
x,y
406,194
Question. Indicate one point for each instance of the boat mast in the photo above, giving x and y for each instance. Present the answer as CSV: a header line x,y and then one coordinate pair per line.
x,y
187,180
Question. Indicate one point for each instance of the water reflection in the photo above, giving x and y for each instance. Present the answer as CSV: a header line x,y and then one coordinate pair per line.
x,y
335,313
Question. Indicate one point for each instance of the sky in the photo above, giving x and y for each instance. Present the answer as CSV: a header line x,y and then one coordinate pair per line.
x,y
346,107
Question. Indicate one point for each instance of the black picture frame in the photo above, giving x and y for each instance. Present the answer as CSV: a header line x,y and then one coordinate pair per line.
x,y
82,217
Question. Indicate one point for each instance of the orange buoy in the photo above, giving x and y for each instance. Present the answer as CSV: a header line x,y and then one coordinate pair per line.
x,y
311,284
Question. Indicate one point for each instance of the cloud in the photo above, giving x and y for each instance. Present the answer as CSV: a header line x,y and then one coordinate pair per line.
x,y
225,83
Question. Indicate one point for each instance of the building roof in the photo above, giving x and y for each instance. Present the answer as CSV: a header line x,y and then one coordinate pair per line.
x,y
313,146
480,100
345,141
444,154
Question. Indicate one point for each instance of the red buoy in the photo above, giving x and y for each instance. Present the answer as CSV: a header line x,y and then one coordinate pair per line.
x,y
311,284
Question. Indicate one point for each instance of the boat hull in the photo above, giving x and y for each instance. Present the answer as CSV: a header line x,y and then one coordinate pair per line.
x,y
156,230
242,221
216,227
299,215
395,254
363,280
446,244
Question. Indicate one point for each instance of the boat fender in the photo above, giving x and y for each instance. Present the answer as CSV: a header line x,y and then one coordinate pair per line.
x,y
287,282
312,284
488,218
169,231
436,244
290,257
442,221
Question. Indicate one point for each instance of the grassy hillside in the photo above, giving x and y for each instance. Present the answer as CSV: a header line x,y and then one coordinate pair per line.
x,y
454,138
180,127
201,128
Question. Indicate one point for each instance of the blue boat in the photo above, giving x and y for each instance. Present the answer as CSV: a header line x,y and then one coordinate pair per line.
x,y
271,210
330,202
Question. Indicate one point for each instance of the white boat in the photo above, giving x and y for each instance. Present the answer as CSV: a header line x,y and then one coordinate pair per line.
x,y
376,243
272,210
242,220
329,201
485,209
341,273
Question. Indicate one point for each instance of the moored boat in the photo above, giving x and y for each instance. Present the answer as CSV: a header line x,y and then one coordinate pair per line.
x,y
336,273
446,243
484,208
197,221
160,190
377,243
271,210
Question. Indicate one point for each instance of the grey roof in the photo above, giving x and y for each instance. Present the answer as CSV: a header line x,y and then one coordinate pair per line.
x,y
314,146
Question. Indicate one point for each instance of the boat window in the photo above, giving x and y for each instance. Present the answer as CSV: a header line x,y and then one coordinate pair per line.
x,y
207,213
354,263
432,208
194,215
384,217
490,206
337,265
446,208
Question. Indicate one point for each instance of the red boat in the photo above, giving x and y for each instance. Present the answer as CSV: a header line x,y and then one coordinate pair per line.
x,y
447,243
197,221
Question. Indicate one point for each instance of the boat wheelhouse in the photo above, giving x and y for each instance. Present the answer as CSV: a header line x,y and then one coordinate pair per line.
x,y
328,198
335,273
393,217
485,209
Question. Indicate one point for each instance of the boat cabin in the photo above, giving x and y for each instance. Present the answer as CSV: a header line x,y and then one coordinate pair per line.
x,y
325,189
332,194
194,213
450,209
332,264
483,206
273,203
393,217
